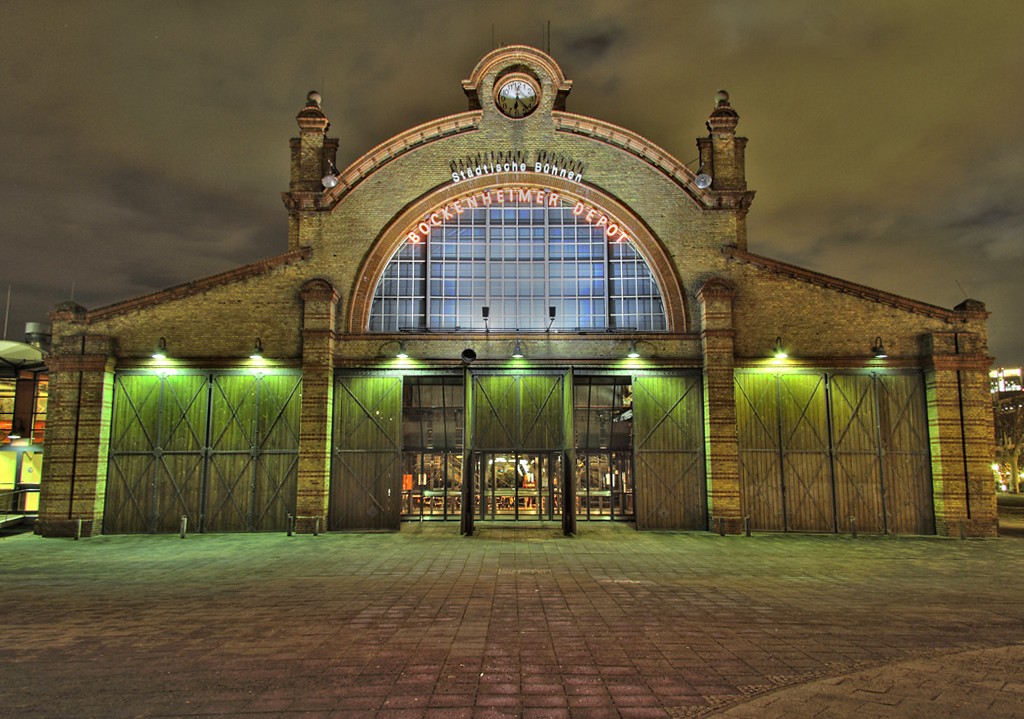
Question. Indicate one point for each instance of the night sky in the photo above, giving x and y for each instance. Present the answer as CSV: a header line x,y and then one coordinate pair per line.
x,y
145,144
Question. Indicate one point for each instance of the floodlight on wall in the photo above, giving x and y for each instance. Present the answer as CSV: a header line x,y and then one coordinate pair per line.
x,y
878,350
552,313
402,354
633,353
517,353
257,350
778,352
701,179
486,312
331,178
160,353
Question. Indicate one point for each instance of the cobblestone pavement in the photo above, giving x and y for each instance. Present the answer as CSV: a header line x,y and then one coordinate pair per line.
x,y
514,622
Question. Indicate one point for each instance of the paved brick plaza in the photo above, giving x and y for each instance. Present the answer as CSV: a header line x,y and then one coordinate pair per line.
x,y
513,622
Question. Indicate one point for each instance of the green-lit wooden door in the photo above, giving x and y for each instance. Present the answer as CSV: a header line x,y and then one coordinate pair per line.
x,y
824,452
254,439
806,466
906,456
671,491
760,451
366,467
219,448
860,498
157,453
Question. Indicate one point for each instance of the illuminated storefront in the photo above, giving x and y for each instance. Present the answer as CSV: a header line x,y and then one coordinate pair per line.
x,y
23,403
519,314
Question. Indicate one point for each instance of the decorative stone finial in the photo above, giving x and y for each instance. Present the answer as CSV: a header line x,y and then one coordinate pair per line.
x,y
723,119
311,118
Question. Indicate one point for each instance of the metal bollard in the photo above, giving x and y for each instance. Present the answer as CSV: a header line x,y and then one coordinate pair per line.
x,y
78,529
746,526
184,525
316,526
853,527
721,526
963,529
290,524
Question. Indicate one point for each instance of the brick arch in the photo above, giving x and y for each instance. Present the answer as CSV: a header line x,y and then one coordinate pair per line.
x,y
392,237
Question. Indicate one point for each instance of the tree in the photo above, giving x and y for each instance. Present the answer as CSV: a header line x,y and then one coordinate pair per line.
x,y
1009,421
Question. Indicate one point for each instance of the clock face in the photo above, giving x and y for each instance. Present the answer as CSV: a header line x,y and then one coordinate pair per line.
x,y
517,96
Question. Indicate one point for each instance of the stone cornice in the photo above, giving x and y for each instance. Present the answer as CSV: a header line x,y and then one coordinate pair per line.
x,y
655,156
201,285
851,288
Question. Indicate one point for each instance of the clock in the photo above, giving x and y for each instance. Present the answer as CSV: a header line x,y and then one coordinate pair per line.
x,y
517,95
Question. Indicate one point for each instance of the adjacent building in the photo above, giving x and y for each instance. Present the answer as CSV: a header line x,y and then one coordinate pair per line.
x,y
519,313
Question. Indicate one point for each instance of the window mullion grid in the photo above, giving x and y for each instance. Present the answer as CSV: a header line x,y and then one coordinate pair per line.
x,y
426,280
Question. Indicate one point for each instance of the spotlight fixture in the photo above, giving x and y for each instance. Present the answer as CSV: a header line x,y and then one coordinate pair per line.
x,y
257,350
517,353
778,352
701,179
331,178
878,350
402,354
633,353
160,353
552,312
486,312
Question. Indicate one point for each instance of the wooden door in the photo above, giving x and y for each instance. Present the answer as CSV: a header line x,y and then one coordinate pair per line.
x,y
156,461
906,459
856,459
760,451
366,468
254,439
669,443
512,412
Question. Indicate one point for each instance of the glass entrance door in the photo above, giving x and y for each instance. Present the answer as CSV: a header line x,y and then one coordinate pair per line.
x,y
518,485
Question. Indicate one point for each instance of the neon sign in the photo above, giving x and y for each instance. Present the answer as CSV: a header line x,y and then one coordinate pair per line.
x,y
539,196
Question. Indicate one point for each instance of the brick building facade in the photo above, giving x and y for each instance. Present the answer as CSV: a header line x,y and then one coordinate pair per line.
x,y
519,313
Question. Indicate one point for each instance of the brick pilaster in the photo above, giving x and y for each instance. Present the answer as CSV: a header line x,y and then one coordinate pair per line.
x,y
320,307
961,435
721,446
74,480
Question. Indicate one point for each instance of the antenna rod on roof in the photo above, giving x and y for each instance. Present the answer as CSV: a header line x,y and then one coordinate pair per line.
x,y
7,312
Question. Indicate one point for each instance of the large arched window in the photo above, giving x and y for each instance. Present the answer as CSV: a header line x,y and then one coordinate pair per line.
x,y
484,264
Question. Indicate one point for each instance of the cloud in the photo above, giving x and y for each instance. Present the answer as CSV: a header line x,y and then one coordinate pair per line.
x,y
883,136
